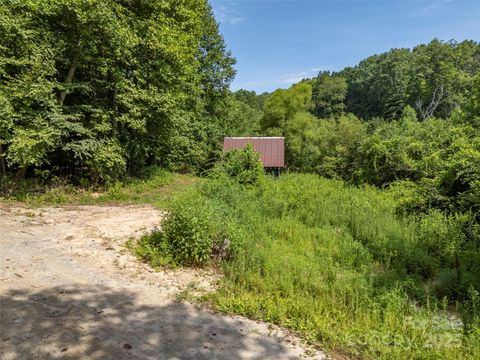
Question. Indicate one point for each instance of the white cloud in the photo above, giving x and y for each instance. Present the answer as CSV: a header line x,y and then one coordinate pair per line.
x,y
429,9
227,14
317,69
253,83
292,79
300,75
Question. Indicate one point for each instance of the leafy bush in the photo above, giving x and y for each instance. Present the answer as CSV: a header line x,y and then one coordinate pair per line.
x,y
186,237
195,231
106,161
243,165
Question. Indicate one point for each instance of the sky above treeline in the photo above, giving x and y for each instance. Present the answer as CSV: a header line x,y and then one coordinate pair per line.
x,y
279,42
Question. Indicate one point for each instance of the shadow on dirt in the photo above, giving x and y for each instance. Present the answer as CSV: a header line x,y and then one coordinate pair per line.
x,y
103,323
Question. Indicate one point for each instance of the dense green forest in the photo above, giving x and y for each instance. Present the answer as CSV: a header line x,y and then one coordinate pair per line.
x,y
95,89
383,224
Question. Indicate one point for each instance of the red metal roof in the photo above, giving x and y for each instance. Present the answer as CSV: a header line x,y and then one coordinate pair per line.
x,y
271,149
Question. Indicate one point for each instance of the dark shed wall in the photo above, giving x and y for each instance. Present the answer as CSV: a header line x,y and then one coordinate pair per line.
x,y
271,149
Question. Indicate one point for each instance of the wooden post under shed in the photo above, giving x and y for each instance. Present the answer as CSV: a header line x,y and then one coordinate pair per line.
x,y
271,150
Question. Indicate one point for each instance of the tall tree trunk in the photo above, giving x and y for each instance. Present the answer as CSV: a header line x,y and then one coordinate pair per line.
x,y
115,109
22,171
3,167
71,71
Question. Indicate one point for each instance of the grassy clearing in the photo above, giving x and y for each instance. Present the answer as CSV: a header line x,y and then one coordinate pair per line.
x,y
156,188
334,263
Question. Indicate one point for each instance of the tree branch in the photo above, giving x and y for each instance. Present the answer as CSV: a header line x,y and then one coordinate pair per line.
x,y
71,71
437,98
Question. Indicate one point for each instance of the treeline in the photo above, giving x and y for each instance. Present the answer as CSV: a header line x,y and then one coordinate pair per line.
x,y
406,117
435,79
96,89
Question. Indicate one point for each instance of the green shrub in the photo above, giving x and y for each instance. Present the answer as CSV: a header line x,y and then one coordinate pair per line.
x,y
195,231
106,162
155,250
190,234
243,165
186,237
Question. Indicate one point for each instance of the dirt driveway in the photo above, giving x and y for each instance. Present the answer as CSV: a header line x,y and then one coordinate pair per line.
x,y
70,290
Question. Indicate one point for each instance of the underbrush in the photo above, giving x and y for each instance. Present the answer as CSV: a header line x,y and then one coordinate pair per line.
x,y
336,263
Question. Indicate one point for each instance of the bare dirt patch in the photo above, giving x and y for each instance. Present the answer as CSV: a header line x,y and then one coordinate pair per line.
x,y
70,289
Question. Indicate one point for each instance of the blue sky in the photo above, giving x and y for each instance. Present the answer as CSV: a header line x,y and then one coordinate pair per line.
x,y
279,42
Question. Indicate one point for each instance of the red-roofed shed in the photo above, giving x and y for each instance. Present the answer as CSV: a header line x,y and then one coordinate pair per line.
x,y
271,149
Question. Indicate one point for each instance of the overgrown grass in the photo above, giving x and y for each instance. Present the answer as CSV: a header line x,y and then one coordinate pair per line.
x,y
335,263
156,187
